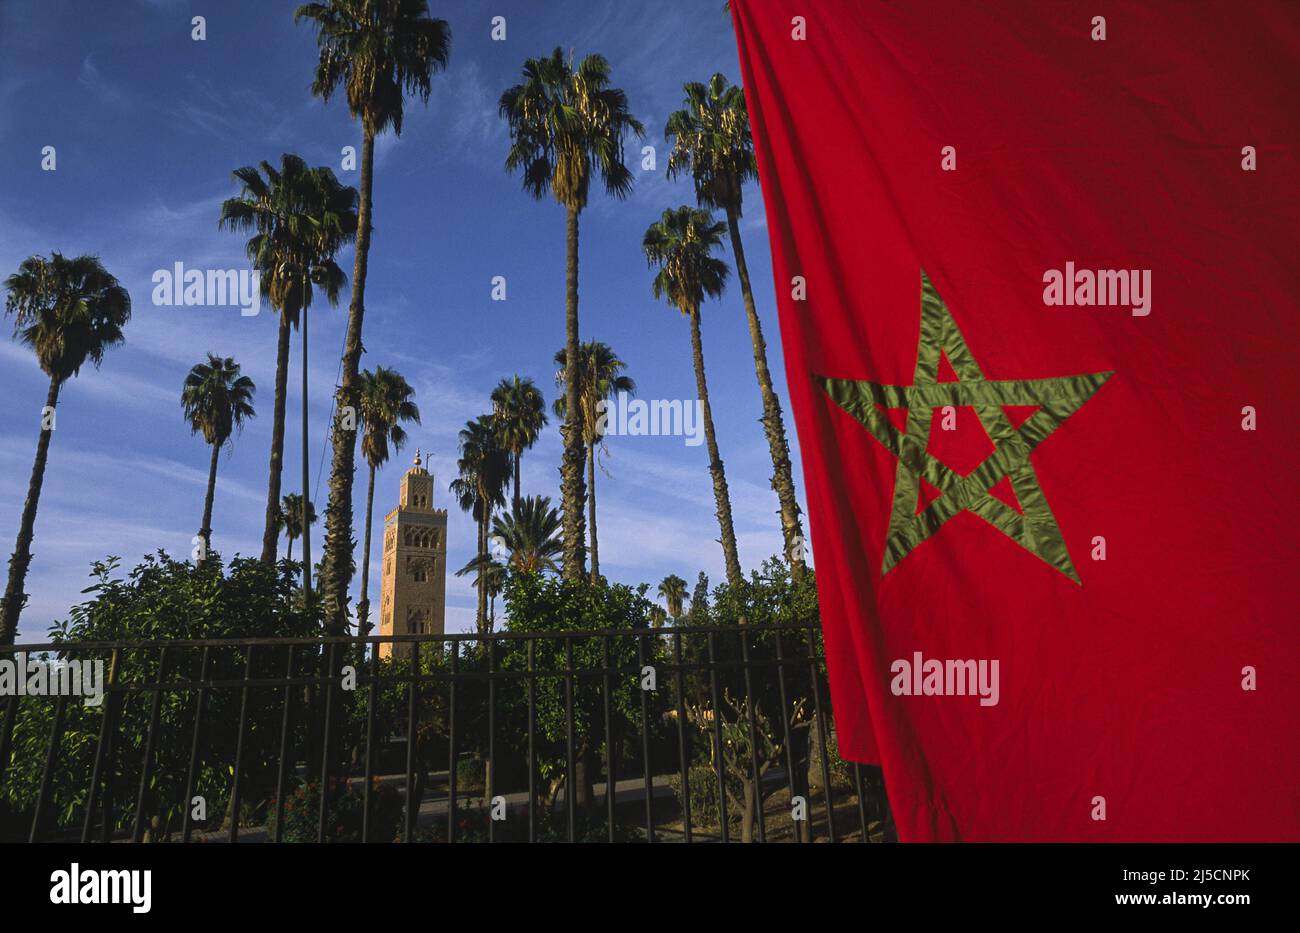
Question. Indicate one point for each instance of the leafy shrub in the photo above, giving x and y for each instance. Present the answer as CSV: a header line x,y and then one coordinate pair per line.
x,y
344,811
704,795
162,599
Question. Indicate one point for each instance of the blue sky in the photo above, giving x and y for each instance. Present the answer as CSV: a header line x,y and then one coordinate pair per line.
x,y
147,126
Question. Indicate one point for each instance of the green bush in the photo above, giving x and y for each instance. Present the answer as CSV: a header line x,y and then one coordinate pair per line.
x,y
704,795
343,816
162,599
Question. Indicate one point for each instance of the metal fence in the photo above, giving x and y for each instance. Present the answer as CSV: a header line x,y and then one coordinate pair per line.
x,y
693,734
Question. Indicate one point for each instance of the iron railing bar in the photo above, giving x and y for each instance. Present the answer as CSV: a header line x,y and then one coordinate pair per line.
x,y
107,820
239,750
569,755
105,730
720,763
451,746
532,751
756,778
645,741
862,803
785,727
412,705
328,687
191,769
683,758
326,640
821,738
610,782
490,783
371,699
286,719
47,773
146,762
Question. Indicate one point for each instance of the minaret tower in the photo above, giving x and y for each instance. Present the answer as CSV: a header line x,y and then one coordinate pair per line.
x,y
413,592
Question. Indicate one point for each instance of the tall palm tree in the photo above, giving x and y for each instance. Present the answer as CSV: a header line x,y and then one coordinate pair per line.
x,y
295,515
520,413
68,311
566,125
216,401
681,243
530,535
377,52
712,141
484,468
384,401
600,377
300,217
673,591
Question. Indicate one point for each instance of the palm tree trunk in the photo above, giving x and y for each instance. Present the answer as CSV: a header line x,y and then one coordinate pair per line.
x,y
15,598
728,539
363,604
338,514
519,456
271,532
591,512
205,531
773,424
306,476
289,556
482,572
572,492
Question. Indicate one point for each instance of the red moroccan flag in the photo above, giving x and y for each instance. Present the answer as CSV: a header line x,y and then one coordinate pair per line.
x,y
1036,279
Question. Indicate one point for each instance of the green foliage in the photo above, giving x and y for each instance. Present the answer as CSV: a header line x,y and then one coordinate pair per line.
x,y
68,310
704,795
681,243
164,599
770,596
529,533
216,399
567,125
343,813
376,54
535,603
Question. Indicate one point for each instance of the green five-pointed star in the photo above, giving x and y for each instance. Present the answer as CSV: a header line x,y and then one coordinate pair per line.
x,y
1035,530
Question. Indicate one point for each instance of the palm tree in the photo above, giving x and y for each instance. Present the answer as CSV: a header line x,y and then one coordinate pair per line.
x,y
300,217
673,591
567,124
68,311
216,401
681,243
520,413
293,512
600,377
384,400
711,140
484,468
491,574
530,534
377,51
